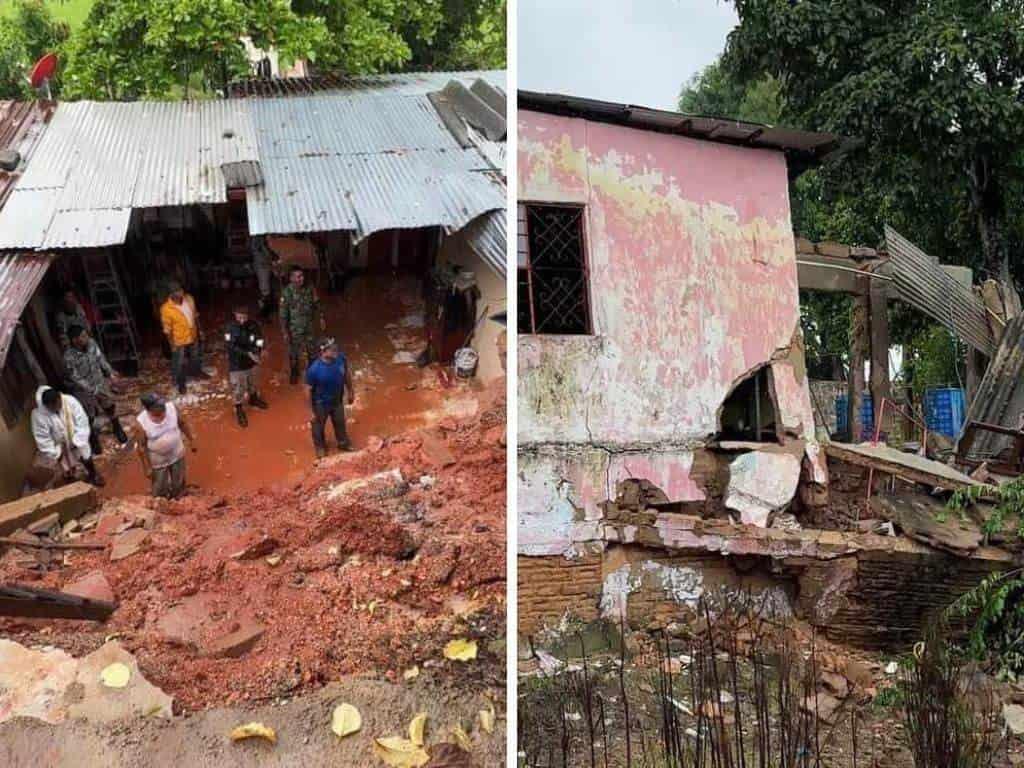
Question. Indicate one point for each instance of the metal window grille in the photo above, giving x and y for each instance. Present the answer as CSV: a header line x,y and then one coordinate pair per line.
x,y
553,283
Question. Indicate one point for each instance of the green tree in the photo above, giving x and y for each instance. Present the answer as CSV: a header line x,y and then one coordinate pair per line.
x,y
130,49
27,33
937,86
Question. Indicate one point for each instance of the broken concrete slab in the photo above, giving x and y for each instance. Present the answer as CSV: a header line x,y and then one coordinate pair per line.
x,y
384,481
92,586
926,519
761,483
189,621
909,466
52,686
128,543
68,502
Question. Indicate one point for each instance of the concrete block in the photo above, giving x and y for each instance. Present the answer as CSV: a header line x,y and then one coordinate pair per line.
x,y
68,502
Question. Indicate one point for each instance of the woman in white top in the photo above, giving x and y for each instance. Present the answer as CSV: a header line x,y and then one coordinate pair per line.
x,y
158,437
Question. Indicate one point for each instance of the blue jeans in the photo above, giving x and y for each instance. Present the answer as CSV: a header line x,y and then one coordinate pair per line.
x,y
185,361
336,414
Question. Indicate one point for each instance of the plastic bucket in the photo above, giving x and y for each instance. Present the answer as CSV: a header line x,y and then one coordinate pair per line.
x,y
465,362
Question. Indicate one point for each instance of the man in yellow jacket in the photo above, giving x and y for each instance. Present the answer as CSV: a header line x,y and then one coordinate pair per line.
x,y
180,321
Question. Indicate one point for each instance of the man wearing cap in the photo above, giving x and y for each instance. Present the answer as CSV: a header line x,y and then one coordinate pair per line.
x,y
300,316
329,381
180,321
243,340
158,436
91,380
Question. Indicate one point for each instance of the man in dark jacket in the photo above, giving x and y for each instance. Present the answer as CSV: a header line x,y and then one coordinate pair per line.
x,y
244,342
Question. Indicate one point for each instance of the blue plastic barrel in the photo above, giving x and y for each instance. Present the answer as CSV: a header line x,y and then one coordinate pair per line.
x,y
944,409
867,416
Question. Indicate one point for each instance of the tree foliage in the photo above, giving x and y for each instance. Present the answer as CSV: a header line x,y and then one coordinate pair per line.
x,y
27,33
937,87
131,49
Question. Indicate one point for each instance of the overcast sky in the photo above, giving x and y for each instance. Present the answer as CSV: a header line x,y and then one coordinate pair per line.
x,y
634,51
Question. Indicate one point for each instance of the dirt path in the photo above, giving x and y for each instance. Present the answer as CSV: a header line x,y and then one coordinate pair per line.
x,y
375,318
302,724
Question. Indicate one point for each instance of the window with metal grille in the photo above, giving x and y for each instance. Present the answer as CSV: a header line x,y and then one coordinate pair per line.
x,y
553,290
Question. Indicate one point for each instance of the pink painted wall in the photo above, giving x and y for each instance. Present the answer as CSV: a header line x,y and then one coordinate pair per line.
x,y
693,284
693,281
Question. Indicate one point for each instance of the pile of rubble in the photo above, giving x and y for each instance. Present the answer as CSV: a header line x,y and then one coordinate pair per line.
x,y
370,564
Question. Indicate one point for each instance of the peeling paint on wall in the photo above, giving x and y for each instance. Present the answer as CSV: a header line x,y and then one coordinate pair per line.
x,y
682,585
692,285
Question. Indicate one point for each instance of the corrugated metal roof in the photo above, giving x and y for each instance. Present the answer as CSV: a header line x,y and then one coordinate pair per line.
x,y
407,83
803,147
1000,396
358,159
106,158
22,124
20,275
364,163
485,235
922,283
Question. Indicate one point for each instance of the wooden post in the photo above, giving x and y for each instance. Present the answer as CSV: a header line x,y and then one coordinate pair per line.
x,y
859,344
879,322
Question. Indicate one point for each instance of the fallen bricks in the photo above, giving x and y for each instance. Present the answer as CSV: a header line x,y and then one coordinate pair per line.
x,y
68,502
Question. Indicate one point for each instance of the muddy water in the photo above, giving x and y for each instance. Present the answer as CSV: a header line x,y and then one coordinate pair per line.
x,y
276,447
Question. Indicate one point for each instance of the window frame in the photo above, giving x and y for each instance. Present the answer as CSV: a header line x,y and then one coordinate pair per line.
x,y
523,247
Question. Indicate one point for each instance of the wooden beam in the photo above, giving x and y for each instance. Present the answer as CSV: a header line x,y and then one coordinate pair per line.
x,y
879,325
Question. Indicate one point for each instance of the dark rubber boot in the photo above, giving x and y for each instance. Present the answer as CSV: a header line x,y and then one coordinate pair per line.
x,y
294,378
119,433
95,444
92,474
257,402
320,452
243,420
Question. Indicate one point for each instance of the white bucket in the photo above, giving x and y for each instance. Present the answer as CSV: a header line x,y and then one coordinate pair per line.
x,y
465,362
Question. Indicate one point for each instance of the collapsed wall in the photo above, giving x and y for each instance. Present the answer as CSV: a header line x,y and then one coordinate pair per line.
x,y
692,377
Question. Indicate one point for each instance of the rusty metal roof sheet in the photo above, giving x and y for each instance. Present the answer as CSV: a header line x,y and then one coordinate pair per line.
x,y
406,83
803,148
922,283
22,123
20,275
1000,396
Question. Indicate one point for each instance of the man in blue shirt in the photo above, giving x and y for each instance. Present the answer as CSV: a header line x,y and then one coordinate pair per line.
x,y
329,381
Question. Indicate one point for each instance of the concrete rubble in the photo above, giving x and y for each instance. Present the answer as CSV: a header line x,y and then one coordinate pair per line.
x,y
53,686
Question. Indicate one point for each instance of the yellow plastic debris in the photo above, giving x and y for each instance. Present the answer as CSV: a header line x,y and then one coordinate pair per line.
x,y
416,728
460,650
400,753
486,717
461,738
254,731
411,674
346,720
115,675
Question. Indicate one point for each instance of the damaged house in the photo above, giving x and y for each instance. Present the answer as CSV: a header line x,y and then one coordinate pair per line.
x,y
399,177
666,432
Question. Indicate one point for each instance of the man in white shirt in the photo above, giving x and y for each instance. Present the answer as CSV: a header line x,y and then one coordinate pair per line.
x,y
60,427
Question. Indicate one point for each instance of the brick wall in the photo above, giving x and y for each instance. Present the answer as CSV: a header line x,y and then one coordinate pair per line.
x,y
550,587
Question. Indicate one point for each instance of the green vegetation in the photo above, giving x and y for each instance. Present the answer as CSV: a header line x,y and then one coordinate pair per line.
x,y
131,49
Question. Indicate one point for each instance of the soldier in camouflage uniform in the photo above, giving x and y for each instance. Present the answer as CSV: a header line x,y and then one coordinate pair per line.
x,y
69,313
301,318
90,377
263,261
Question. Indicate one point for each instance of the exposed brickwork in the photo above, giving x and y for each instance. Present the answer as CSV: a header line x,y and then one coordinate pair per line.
x,y
550,587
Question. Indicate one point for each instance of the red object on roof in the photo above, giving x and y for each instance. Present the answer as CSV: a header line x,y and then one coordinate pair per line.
x,y
43,70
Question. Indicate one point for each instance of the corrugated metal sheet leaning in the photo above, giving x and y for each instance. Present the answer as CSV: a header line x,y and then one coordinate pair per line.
x,y
1000,396
20,275
923,284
